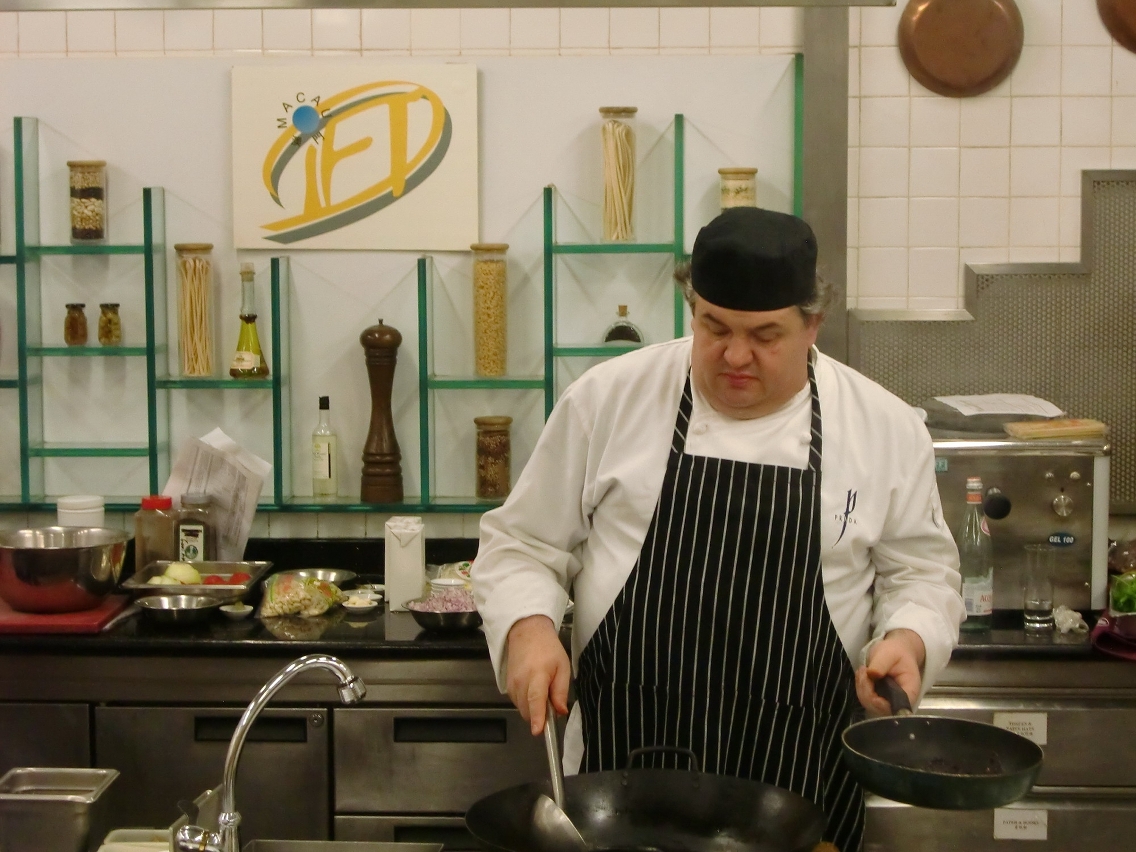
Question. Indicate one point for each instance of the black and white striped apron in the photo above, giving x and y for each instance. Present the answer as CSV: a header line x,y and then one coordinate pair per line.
x,y
721,641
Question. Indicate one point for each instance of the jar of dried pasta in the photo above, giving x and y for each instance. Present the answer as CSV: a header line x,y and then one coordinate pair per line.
x,y
195,308
617,134
489,308
493,456
88,200
738,187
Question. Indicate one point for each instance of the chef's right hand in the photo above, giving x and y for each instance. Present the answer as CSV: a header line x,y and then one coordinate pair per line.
x,y
538,670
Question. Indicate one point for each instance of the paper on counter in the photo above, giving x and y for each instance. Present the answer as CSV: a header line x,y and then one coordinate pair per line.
x,y
217,465
405,560
1001,403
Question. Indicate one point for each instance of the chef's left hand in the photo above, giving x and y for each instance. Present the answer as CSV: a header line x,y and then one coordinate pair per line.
x,y
899,654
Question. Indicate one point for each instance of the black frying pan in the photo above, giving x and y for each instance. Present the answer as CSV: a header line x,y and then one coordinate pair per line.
x,y
939,762
656,809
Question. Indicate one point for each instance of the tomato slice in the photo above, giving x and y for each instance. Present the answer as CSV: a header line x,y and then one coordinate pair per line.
x,y
239,577
213,580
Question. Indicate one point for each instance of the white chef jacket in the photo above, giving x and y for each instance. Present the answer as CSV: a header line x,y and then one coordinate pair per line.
x,y
582,505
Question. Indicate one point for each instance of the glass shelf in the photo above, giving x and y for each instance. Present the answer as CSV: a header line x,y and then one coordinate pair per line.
x,y
412,505
94,248
13,503
9,383
68,450
215,384
7,259
480,383
86,351
608,351
615,248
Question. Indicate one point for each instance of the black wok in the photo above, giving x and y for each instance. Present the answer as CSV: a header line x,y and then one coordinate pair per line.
x,y
939,762
656,809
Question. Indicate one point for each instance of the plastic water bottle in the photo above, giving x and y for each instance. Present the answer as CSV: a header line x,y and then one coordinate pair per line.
x,y
976,561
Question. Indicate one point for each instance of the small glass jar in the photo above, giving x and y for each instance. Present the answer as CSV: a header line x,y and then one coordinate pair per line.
x,y
623,330
195,533
75,325
490,348
738,187
195,308
110,325
88,200
617,135
493,456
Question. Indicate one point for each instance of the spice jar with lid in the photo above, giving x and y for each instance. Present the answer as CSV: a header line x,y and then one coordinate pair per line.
x,y
110,325
489,308
88,200
617,133
195,535
154,531
195,308
493,456
75,325
738,187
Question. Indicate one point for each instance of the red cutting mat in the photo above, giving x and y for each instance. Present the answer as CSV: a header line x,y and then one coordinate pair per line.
x,y
88,621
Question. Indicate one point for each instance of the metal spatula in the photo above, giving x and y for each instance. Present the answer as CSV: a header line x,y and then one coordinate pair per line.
x,y
552,825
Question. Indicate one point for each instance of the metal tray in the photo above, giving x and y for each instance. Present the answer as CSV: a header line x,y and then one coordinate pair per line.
x,y
139,583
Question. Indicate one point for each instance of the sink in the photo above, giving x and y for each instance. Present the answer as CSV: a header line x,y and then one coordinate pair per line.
x,y
338,846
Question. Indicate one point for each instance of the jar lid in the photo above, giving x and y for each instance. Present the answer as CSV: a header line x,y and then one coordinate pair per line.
x,y
493,420
193,247
494,247
618,111
109,305
737,171
157,501
195,498
77,502
74,305
86,164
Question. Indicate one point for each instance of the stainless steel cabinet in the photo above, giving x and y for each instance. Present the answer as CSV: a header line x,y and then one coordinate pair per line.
x,y
450,831
37,734
413,760
169,753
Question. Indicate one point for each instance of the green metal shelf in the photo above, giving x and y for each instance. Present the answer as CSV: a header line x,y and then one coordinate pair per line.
x,y
503,383
86,351
9,259
95,248
69,450
9,383
213,384
613,248
348,505
593,351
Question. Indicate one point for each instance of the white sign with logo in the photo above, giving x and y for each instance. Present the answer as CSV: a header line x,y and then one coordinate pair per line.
x,y
355,157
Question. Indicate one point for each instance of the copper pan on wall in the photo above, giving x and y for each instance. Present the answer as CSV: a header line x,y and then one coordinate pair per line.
x,y
1119,18
960,48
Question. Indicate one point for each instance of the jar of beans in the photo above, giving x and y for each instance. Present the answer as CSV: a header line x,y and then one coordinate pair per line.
x,y
88,200
493,456
489,308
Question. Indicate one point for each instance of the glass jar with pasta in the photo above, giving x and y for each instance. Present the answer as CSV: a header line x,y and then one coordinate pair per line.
x,y
617,134
88,200
490,351
195,308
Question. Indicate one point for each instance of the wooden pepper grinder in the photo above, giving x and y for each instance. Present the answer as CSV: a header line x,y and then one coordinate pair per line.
x,y
382,460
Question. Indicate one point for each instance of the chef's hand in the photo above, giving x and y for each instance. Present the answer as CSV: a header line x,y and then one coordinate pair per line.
x,y
899,654
538,669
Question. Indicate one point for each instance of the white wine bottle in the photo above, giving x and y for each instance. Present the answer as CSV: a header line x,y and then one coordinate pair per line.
x,y
325,454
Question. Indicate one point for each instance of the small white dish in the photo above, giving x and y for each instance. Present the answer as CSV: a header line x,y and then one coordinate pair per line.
x,y
442,583
353,605
371,587
371,596
236,611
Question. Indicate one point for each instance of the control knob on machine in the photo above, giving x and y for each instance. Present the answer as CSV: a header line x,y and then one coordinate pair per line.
x,y
1063,505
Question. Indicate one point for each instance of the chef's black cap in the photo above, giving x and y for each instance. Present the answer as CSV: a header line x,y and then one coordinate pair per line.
x,y
749,259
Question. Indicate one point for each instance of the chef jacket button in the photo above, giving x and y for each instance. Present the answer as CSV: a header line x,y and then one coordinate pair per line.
x,y
805,439
701,429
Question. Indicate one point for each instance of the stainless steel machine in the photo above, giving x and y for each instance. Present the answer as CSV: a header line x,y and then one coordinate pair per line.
x,y
1036,491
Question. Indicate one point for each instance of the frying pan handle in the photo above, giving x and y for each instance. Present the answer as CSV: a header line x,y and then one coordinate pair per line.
x,y
889,689
695,766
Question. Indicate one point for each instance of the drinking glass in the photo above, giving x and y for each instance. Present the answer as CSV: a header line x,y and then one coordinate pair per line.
x,y
1037,587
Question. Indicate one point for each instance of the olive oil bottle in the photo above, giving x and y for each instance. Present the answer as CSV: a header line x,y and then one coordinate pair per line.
x,y
248,361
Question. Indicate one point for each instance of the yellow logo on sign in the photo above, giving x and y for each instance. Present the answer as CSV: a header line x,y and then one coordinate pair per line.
x,y
311,126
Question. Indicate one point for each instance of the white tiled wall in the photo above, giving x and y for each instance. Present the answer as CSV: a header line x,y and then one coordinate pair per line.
x,y
936,182
384,34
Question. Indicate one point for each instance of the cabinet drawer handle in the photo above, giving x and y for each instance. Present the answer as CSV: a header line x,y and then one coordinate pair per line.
x,y
411,729
266,729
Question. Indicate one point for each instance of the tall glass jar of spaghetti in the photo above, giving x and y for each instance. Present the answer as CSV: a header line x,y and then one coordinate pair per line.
x,y
617,135
490,351
195,308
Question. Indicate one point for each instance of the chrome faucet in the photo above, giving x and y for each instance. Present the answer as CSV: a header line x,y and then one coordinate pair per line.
x,y
192,838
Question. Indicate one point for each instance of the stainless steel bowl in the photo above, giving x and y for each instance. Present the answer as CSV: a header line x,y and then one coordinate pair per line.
x,y
446,622
60,569
341,577
178,609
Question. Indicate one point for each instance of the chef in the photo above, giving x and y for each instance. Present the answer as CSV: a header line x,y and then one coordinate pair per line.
x,y
751,532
